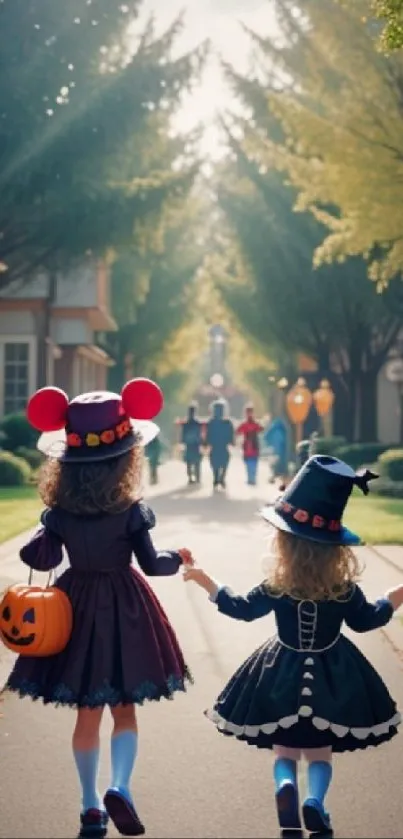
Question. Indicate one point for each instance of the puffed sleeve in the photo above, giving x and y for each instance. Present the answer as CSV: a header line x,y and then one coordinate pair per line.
x,y
44,550
153,563
362,616
257,603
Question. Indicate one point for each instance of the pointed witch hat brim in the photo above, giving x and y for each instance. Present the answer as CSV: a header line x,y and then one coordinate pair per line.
x,y
344,536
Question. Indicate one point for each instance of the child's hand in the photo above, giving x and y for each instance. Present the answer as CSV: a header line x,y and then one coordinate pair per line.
x,y
201,578
186,557
395,595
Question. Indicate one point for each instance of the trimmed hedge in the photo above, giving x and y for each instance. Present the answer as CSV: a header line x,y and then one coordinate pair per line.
x,y
362,454
14,471
391,464
386,488
329,445
32,456
18,432
355,454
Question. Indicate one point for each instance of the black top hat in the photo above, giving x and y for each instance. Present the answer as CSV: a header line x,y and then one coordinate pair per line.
x,y
313,504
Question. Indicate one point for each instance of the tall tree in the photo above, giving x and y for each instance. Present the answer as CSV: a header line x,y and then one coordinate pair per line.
x,y
153,293
79,89
332,313
155,287
391,13
340,102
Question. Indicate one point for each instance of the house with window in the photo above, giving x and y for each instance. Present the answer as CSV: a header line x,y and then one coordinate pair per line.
x,y
48,334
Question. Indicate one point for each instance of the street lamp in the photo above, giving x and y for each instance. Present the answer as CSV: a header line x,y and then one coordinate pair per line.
x,y
323,398
299,401
282,386
276,394
217,381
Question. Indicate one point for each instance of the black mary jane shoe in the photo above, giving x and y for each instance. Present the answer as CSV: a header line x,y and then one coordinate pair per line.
x,y
94,824
287,804
316,819
122,812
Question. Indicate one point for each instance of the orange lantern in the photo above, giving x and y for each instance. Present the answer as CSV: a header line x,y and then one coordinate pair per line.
x,y
323,398
299,401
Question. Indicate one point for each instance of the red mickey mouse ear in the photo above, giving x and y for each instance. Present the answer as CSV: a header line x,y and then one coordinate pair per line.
x,y
142,399
47,409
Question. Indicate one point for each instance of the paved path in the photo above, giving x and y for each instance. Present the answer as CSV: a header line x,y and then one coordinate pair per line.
x,y
190,781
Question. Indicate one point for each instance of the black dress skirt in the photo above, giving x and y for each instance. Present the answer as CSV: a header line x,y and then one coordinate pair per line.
x,y
308,686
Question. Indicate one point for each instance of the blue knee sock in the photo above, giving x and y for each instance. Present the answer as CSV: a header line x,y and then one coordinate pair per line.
x,y
123,756
319,777
284,769
87,766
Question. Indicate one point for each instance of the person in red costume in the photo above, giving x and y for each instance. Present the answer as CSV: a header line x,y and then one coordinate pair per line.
x,y
251,448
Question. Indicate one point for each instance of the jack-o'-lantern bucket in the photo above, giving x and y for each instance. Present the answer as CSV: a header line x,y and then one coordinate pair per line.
x,y
35,621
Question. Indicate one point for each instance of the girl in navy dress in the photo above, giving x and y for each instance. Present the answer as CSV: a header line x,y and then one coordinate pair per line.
x,y
122,650
308,691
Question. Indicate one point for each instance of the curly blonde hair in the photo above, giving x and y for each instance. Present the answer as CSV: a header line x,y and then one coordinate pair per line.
x,y
311,570
104,486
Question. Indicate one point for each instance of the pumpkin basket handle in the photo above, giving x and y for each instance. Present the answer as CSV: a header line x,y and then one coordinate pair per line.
x,y
51,574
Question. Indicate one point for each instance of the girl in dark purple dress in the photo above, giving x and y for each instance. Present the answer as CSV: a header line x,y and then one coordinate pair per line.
x,y
122,649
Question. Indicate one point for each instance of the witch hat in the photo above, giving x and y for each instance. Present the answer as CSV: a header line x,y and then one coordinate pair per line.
x,y
313,504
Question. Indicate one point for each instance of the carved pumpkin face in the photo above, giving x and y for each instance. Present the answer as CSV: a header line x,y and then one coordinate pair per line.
x,y
35,621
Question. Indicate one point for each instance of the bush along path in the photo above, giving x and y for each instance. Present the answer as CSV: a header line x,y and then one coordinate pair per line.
x,y
19,461
19,510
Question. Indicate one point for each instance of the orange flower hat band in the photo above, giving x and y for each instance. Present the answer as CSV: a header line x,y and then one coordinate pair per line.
x,y
304,517
100,438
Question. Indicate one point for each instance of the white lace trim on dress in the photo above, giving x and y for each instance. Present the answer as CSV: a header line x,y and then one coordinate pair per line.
x,y
305,711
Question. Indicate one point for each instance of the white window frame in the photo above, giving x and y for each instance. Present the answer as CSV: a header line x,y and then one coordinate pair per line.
x,y
32,362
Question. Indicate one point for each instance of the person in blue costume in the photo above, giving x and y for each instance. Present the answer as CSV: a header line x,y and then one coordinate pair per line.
x,y
308,691
276,437
192,439
219,436
122,650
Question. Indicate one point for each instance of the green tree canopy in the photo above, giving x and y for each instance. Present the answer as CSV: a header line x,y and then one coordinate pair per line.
x,y
391,13
340,103
79,90
331,313
155,283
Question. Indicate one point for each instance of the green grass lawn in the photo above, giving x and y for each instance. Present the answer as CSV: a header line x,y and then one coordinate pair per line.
x,y
377,520
19,510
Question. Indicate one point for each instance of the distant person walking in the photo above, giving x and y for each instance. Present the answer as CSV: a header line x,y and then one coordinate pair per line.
x,y
306,449
192,439
220,435
153,455
276,438
250,429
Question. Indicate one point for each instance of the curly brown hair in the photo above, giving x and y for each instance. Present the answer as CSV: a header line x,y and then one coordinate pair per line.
x,y
105,486
311,570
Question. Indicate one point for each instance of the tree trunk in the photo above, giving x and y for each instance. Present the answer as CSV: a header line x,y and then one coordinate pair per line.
x,y
344,410
368,415
44,332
